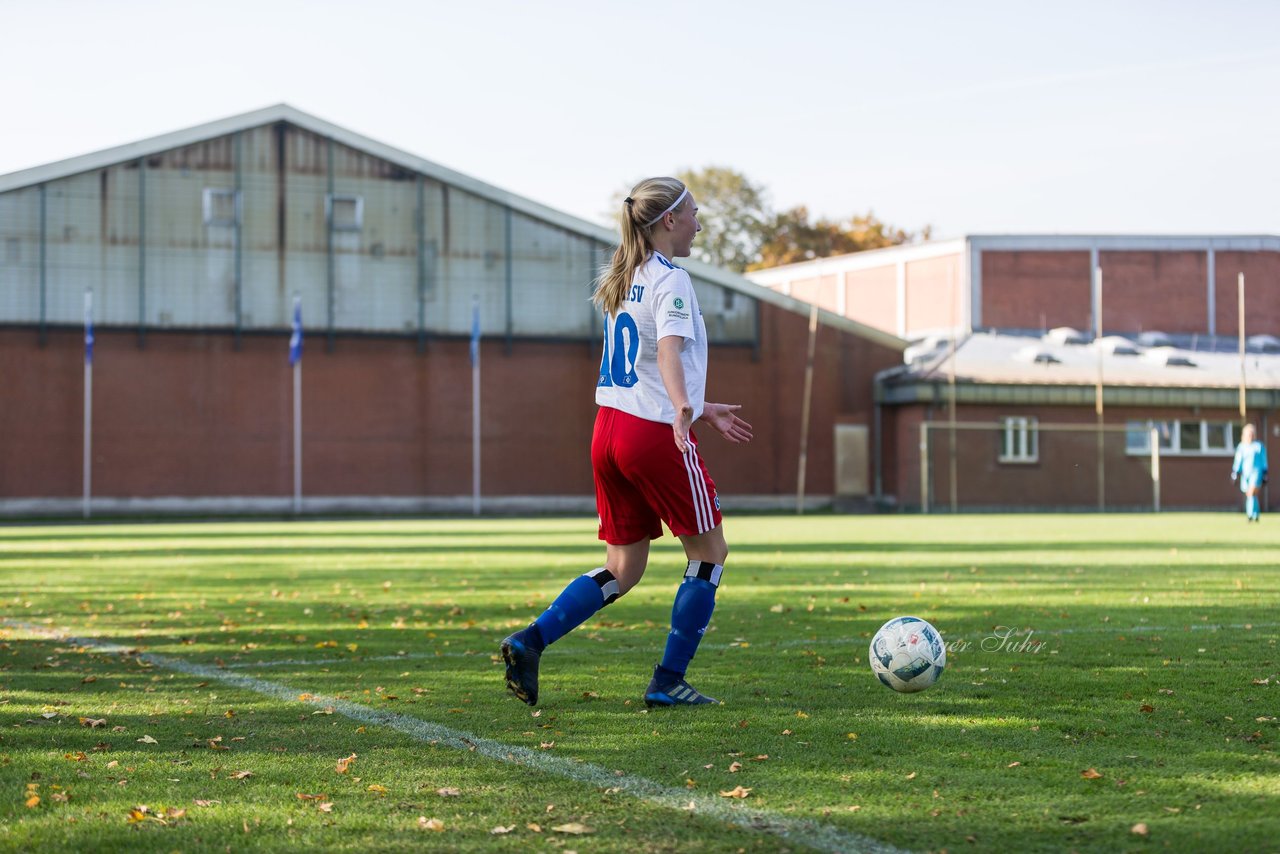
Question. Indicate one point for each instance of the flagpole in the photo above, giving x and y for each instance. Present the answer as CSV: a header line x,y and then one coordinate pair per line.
x,y
295,357
475,405
88,398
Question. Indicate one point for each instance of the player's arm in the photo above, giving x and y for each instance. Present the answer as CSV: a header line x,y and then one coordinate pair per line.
x,y
672,371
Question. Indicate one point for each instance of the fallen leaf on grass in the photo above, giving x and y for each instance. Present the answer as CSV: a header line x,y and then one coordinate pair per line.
x,y
1147,707
344,764
1091,774
1013,765
378,790
1139,829
91,722
86,680
911,776
303,796
201,802
735,768
534,826
448,792
33,802
500,829
240,775
61,797
146,739
736,792
425,823
78,756
327,806
574,828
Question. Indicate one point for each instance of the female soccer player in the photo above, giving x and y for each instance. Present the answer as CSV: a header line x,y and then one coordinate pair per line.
x,y
644,454
1250,465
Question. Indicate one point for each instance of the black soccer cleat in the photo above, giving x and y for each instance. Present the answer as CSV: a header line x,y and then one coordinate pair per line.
x,y
522,669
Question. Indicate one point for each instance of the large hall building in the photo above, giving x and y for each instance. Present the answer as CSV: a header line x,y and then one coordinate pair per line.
x,y
193,247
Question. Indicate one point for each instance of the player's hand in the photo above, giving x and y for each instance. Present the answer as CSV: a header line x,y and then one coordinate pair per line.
x,y
680,427
724,420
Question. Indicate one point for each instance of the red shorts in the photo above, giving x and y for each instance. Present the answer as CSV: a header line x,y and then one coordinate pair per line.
x,y
643,481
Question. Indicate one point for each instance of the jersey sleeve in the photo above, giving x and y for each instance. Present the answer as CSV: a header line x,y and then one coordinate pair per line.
x,y
673,306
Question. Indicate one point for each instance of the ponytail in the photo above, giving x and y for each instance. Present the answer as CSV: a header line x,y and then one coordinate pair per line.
x,y
641,211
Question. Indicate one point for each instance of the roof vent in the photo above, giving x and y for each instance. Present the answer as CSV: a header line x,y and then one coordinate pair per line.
x,y
1115,345
1036,355
1066,335
1263,343
926,347
1155,339
1169,357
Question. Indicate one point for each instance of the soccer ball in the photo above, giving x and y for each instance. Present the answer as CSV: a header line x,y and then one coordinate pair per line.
x,y
907,654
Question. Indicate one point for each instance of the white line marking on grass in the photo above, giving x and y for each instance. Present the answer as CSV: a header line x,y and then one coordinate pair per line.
x,y
790,644
806,832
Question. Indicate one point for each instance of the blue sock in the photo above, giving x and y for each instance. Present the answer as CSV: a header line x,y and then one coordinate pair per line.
x,y
1251,506
585,595
690,616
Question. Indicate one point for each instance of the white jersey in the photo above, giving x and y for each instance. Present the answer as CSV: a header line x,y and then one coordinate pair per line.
x,y
661,302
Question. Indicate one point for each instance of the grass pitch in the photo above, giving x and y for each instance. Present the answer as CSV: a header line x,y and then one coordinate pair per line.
x,y
1111,685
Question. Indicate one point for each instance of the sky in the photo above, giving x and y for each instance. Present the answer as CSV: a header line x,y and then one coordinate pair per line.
x,y
979,117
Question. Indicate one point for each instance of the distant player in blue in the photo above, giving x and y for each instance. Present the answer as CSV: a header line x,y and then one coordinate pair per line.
x,y
1251,467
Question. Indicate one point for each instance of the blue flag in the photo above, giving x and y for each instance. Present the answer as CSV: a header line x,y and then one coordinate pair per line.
x,y
295,340
475,333
88,333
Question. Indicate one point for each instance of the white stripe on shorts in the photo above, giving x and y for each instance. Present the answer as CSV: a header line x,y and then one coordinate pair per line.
x,y
698,490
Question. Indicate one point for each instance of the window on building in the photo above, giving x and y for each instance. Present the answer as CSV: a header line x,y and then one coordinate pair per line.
x,y
1183,437
346,213
1190,439
220,206
1019,440
1217,437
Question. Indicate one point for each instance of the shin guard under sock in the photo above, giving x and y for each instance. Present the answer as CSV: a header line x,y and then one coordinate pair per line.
x,y
583,596
690,615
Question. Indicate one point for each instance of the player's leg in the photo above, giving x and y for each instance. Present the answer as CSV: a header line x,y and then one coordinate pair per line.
x,y
691,612
1251,503
627,525
685,497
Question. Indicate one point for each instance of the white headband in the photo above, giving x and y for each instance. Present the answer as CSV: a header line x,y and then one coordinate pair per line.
x,y
674,205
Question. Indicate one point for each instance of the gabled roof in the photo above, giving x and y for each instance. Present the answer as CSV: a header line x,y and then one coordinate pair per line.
x,y
306,121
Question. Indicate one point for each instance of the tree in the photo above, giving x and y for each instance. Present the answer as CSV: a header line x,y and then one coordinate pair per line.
x,y
793,238
734,213
742,232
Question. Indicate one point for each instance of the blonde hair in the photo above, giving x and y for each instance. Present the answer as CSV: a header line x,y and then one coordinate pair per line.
x,y
641,211
1248,433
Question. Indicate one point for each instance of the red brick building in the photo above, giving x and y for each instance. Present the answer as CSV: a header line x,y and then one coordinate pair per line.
x,y
1005,326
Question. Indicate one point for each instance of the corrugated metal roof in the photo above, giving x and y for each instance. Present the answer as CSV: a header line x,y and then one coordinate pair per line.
x,y
285,113
1030,359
